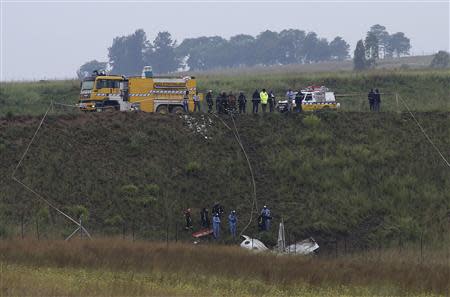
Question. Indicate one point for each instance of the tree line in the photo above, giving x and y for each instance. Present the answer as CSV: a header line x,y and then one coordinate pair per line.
x,y
128,54
379,44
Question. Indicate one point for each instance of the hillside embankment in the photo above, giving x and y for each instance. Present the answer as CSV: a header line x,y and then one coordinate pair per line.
x,y
363,179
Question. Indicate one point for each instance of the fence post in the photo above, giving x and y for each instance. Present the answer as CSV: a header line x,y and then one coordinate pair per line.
x,y
81,228
167,234
396,99
21,226
176,231
336,251
37,228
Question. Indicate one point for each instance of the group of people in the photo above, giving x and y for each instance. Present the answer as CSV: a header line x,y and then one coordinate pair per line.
x,y
374,100
226,103
218,212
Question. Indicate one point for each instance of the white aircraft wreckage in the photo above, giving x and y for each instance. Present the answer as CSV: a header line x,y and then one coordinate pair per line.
x,y
304,247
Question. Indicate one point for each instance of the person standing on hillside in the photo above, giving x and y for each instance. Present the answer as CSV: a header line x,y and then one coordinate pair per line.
x,y
188,218
204,218
219,103
255,100
232,221
216,226
209,101
271,101
231,102
377,100
371,99
185,101
196,98
242,101
224,101
290,96
266,218
298,101
218,208
264,98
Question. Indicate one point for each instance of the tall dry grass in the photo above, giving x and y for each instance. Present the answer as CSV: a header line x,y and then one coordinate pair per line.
x,y
378,269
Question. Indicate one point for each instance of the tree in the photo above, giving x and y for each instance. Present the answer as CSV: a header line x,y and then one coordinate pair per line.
x,y
201,53
382,36
87,68
241,50
126,53
339,49
161,55
266,50
398,44
372,46
440,60
359,57
290,46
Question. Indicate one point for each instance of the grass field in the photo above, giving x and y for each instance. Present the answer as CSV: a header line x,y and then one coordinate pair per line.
x,y
111,267
424,89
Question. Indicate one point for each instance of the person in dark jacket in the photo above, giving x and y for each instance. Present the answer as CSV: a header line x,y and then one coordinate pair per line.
x,y
217,208
271,101
371,99
204,218
377,100
188,218
209,101
242,100
219,103
256,100
224,101
298,101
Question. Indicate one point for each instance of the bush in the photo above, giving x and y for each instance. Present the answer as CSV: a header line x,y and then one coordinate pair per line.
x,y
440,60
193,168
79,211
129,189
152,189
311,121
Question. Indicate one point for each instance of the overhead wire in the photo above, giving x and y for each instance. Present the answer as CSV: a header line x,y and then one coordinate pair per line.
x,y
424,132
28,188
238,139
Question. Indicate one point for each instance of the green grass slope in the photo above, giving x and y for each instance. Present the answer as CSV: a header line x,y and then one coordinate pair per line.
x,y
424,90
368,179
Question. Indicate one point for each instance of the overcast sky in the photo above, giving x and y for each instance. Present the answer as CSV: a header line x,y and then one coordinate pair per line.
x,y
46,40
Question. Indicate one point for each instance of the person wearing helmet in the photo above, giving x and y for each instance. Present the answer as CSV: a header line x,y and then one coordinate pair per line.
x,y
216,226
266,218
232,221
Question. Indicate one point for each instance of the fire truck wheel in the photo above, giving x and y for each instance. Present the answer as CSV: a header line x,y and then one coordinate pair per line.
x,y
162,109
178,109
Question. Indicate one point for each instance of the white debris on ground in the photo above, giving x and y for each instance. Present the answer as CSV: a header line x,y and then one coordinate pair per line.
x,y
253,244
198,124
303,247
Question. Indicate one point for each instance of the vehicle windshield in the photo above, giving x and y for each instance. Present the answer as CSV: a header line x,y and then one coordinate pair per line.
x,y
87,85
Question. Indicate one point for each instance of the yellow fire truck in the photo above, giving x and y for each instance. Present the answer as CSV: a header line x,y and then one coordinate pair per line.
x,y
102,92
